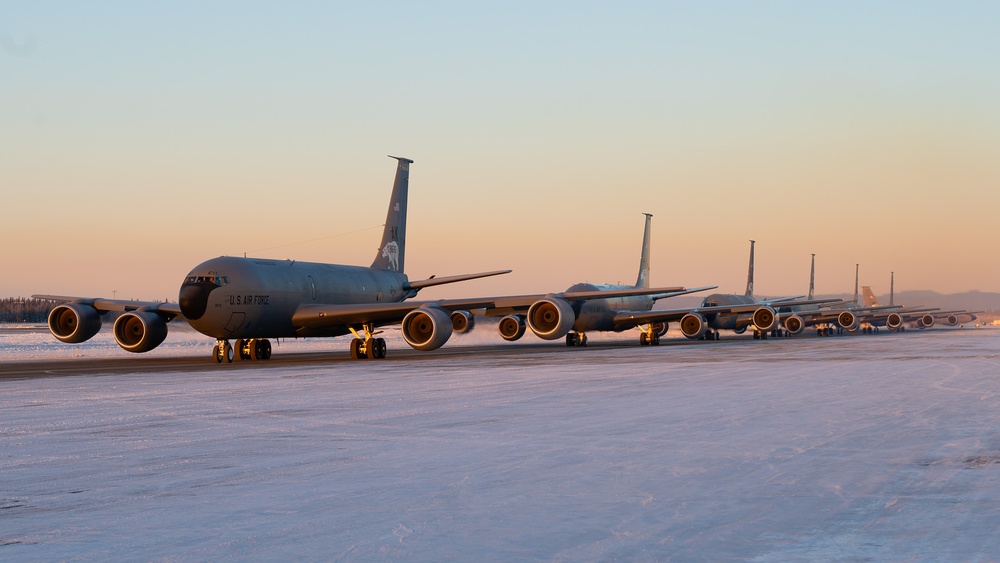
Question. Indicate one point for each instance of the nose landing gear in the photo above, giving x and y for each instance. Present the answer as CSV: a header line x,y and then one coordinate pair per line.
x,y
223,350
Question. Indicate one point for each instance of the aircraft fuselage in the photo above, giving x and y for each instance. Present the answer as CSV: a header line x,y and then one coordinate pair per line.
x,y
725,322
599,314
231,297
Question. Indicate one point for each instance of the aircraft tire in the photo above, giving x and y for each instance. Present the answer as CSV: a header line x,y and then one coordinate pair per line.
x,y
643,339
217,354
356,350
230,354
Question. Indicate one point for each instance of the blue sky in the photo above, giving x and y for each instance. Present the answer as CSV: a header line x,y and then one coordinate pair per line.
x,y
141,139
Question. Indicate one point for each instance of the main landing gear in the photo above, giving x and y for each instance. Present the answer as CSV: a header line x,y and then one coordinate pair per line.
x,y
576,339
649,339
367,347
252,349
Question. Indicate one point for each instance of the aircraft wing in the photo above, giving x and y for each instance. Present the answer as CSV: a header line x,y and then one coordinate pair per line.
x,y
168,310
683,292
318,320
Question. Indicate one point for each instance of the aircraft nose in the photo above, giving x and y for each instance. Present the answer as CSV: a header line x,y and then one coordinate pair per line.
x,y
193,299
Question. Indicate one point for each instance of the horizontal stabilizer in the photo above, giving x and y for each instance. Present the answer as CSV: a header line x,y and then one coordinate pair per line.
x,y
432,281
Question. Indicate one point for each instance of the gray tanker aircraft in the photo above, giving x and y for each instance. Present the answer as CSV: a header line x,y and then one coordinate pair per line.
x,y
252,300
726,311
589,307
827,318
917,317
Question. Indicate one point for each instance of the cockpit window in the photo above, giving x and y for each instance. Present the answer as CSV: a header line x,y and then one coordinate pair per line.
x,y
216,280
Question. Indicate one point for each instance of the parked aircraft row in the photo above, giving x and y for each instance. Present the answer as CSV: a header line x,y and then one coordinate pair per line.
x,y
245,302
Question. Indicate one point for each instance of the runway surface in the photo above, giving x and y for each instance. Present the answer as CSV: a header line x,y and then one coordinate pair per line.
x,y
882,447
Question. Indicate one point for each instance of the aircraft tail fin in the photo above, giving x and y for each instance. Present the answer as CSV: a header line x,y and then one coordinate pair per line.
x,y
749,292
856,268
870,299
391,251
643,279
812,277
892,287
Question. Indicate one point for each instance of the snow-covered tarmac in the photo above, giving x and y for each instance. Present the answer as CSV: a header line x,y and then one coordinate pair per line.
x,y
882,447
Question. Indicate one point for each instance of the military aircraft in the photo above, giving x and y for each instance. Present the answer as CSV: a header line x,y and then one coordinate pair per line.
x,y
252,300
829,318
917,317
588,307
727,311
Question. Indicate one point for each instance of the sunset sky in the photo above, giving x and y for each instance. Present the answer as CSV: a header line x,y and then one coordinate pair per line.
x,y
138,140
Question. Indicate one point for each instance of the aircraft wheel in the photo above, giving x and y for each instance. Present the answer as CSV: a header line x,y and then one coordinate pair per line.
x,y
643,339
356,349
229,352
217,354
582,340
572,340
267,349
240,346
656,340
380,348
257,350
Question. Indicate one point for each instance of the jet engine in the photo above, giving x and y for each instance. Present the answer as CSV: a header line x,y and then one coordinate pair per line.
x,y
848,320
794,324
925,321
427,328
511,327
462,321
551,318
952,320
894,321
140,331
694,326
74,323
765,318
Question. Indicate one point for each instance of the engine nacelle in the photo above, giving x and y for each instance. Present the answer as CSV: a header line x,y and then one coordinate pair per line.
x,y
694,325
427,328
551,318
74,323
462,321
660,329
511,327
848,321
952,320
765,318
794,324
925,321
140,331
893,321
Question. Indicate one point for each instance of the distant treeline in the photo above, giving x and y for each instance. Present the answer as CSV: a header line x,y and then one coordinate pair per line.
x,y
18,310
